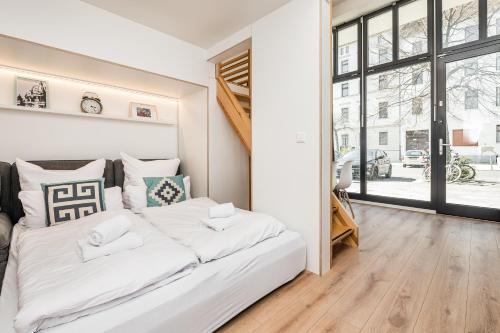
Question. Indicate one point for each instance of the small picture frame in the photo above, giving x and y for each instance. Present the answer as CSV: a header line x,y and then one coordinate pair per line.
x,y
31,93
143,111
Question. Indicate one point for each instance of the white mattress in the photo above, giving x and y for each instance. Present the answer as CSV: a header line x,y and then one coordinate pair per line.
x,y
201,302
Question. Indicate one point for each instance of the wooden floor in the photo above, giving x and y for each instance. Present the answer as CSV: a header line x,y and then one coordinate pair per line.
x,y
414,272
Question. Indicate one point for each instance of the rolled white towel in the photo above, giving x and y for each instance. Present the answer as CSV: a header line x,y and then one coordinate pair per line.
x,y
222,223
129,241
222,210
109,230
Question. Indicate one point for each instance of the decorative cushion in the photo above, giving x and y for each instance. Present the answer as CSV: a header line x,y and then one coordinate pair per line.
x,y
72,200
36,215
164,191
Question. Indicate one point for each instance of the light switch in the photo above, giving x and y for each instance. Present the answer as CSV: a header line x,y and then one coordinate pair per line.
x,y
300,137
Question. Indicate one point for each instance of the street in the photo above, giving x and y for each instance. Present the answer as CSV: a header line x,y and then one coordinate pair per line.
x,y
483,190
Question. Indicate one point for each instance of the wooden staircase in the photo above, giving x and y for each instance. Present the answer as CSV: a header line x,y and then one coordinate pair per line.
x,y
234,95
343,227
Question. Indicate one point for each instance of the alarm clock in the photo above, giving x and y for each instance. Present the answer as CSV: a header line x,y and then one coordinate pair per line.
x,y
91,103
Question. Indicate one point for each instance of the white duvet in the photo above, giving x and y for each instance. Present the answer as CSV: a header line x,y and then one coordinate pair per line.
x,y
56,287
182,222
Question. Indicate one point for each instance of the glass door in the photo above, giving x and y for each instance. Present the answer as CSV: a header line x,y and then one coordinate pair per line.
x,y
468,134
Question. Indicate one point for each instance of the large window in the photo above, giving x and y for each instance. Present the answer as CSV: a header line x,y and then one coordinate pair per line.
x,y
460,22
347,45
398,118
346,126
413,34
393,81
380,39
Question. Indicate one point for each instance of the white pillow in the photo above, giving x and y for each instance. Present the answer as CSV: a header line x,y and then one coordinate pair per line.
x,y
135,198
187,187
31,175
113,198
34,205
136,169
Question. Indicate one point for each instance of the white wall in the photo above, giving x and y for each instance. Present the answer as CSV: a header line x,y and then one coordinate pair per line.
x,y
286,100
193,140
37,136
78,27
229,162
82,28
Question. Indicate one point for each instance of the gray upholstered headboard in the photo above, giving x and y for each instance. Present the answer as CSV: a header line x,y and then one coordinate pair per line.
x,y
5,188
120,173
17,212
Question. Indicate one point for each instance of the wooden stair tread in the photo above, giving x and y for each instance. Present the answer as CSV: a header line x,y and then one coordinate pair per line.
x,y
241,96
339,232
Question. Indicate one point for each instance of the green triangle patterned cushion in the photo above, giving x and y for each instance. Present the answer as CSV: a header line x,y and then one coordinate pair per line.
x,y
164,191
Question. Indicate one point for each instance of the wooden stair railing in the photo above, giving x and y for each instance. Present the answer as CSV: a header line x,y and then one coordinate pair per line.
x,y
343,228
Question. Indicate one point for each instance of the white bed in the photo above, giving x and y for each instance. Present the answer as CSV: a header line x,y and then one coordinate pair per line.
x,y
200,302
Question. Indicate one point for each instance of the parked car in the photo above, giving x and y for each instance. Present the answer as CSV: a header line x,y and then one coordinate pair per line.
x,y
415,158
377,164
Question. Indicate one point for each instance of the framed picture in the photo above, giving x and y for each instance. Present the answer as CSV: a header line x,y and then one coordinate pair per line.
x,y
31,93
143,111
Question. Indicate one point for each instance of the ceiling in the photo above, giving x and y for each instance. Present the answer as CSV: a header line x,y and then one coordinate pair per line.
x,y
200,22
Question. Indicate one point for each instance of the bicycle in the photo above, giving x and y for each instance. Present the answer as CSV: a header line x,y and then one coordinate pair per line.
x,y
453,171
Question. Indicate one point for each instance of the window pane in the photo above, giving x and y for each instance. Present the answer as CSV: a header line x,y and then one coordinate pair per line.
x,y
346,130
460,22
347,52
493,17
472,122
398,132
380,39
413,29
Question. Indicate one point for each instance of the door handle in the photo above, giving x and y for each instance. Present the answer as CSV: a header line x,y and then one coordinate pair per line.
x,y
441,145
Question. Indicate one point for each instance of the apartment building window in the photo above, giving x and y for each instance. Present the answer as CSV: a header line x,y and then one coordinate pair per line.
x,y
347,49
383,111
345,140
498,97
344,66
383,138
382,82
465,138
497,25
498,133
383,56
470,67
417,77
471,99
471,33
345,89
344,115
417,106
417,47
